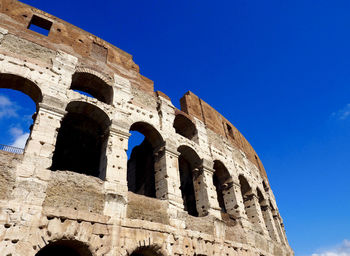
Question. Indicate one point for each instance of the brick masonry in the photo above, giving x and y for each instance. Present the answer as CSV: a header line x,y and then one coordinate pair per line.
x,y
39,206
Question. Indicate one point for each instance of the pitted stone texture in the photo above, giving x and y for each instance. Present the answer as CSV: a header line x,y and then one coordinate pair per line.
x,y
77,191
41,206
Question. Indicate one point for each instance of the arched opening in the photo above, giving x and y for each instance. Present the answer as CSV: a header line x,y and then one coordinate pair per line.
x,y
92,85
260,196
221,180
189,162
19,103
264,210
184,126
147,251
271,206
245,187
277,222
246,191
266,188
65,248
141,163
82,140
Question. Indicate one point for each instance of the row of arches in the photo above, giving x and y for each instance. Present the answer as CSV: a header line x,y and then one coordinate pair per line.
x,y
92,85
76,248
82,143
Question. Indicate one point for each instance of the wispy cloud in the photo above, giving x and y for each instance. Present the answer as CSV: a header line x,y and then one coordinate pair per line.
x,y
19,137
342,249
343,113
7,107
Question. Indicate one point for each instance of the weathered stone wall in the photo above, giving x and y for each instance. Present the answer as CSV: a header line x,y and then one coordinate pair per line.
x,y
41,206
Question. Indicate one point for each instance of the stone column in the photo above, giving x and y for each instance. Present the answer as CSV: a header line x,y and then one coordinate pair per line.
x,y
234,201
42,141
205,191
284,233
269,222
254,213
167,177
278,227
33,172
115,176
116,184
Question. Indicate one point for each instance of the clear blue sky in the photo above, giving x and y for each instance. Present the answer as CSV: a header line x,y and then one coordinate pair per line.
x,y
278,70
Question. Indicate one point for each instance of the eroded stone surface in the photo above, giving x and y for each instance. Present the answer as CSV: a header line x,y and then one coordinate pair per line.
x,y
201,189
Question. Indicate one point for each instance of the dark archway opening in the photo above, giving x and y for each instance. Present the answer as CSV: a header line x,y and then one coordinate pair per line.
x,y
247,196
221,180
65,248
245,188
92,85
189,161
260,196
266,188
81,141
141,163
184,126
147,251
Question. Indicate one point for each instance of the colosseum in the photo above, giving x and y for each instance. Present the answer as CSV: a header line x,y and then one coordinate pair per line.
x,y
194,186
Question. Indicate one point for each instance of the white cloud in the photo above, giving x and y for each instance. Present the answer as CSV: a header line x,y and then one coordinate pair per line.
x,y
342,249
342,114
7,107
16,132
4,101
19,137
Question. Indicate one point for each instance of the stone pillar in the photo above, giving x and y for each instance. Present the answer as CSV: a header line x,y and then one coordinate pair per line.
x,y
33,172
254,213
42,141
167,177
278,227
284,233
116,184
269,222
234,201
115,176
205,191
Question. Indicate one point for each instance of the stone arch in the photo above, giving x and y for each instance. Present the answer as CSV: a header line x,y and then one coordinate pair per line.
x,y
252,205
93,83
188,163
149,131
82,140
260,196
184,126
277,222
222,181
26,86
66,248
141,165
246,189
266,188
266,211
246,192
19,83
150,250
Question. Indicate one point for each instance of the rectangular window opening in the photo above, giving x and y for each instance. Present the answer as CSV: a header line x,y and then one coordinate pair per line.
x,y
230,131
40,25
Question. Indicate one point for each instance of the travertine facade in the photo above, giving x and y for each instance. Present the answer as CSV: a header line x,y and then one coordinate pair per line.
x,y
194,186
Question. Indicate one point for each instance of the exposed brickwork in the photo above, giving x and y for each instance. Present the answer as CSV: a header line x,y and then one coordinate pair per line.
x,y
194,106
200,188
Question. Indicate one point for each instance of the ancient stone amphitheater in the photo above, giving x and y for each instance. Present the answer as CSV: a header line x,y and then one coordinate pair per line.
x,y
194,186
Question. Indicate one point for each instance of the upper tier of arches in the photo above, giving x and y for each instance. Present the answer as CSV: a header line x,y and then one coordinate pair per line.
x,y
96,63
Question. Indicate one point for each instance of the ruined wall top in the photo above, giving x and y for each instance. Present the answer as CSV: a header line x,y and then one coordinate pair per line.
x,y
98,55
